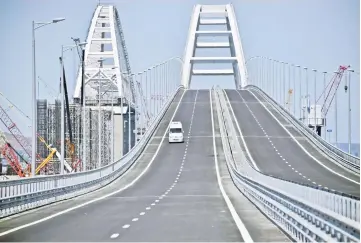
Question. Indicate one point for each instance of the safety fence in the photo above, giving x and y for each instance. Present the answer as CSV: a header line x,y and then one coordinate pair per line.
x,y
305,213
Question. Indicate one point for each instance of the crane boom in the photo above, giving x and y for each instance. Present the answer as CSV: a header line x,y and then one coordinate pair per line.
x,y
8,152
331,89
14,130
13,161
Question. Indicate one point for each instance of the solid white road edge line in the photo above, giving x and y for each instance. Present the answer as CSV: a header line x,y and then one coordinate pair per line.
x,y
241,135
102,197
294,139
240,225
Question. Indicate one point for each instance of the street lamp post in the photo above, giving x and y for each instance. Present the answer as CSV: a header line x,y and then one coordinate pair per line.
x,y
289,84
272,89
314,106
35,26
300,92
284,85
294,88
306,96
349,110
336,139
324,100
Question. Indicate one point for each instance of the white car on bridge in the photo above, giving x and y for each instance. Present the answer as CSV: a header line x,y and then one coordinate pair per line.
x,y
175,132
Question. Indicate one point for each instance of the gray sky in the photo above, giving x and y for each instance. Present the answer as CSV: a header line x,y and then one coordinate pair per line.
x,y
318,34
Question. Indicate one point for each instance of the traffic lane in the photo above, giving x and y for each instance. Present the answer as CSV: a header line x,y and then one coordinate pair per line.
x,y
262,115
203,96
185,218
258,225
308,145
245,120
45,211
165,166
262,152
202,123
95,222
194,209
328,162
198,174
282,119
312,170
294,155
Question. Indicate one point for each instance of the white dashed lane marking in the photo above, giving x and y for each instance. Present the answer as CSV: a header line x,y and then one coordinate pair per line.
x,y
113,236
274,147
178,175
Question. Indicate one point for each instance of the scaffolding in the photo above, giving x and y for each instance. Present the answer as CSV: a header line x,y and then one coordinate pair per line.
x,y
42,126
49,127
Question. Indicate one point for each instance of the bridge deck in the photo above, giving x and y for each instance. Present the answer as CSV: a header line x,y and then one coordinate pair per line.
x,y
289,161
193,208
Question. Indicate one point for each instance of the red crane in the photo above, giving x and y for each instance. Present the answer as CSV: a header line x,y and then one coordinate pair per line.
x,y
9,153
14,130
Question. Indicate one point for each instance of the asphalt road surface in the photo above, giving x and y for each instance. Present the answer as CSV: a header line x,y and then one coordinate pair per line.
x,y
276,153
177,199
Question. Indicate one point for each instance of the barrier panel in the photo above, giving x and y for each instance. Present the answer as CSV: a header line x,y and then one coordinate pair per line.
x,y
305,213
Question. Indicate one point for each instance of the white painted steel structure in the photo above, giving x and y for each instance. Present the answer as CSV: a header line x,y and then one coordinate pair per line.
x,y
213,15
306,213
104,51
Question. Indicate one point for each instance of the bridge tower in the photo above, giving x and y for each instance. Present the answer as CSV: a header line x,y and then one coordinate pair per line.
x,y
213,16
107,83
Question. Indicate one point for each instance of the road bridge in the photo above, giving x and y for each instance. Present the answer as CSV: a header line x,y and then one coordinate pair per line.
x,y
248,170
278,149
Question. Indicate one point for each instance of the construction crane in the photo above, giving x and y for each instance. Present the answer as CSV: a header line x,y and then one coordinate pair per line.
x,y
14,130
20,138
331,89
9,153
52,152
70,144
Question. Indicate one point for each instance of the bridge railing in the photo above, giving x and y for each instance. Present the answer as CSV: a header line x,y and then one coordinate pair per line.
x,y
345,159
305,213
23,194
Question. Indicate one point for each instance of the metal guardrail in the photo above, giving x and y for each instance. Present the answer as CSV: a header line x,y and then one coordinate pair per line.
x,y
344,159
305,213
24,194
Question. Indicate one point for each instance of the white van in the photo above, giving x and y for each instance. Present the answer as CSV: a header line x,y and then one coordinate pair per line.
x,y
175,132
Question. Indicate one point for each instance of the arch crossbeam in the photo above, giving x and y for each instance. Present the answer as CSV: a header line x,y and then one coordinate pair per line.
x,y
214,15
